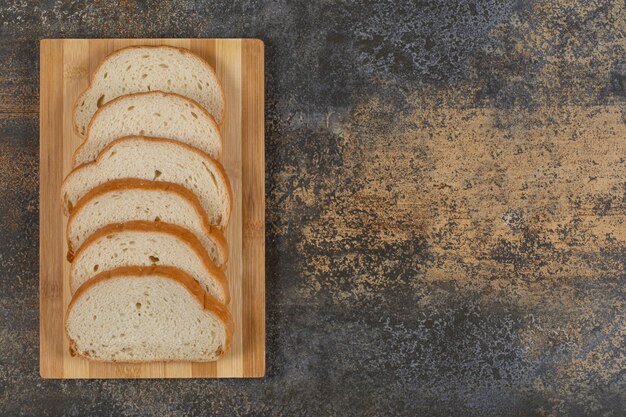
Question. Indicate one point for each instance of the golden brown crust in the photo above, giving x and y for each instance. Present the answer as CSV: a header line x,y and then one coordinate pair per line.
x,y
167,228
138,184
206,301
179,49
144,93
216,164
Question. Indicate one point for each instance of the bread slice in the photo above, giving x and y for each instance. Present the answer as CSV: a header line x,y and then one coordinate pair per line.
x,y
157,160
138,314
157,114
146,243
150,68
122,201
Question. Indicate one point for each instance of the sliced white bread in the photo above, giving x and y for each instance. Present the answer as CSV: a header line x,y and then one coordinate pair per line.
x,y
148,243
157,160
121,201
138,314
150,68
156,114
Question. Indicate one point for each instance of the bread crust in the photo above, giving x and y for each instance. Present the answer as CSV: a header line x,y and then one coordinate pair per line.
x,y
216,164
139,184
119,51
206,301
167,228
145,93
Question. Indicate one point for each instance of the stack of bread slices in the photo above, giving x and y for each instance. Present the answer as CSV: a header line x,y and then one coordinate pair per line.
x,y
148,200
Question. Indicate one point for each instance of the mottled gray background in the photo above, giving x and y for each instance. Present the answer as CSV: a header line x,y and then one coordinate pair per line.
x,y
446,201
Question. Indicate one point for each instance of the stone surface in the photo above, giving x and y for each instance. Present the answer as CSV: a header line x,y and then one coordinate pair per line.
x,y
446,201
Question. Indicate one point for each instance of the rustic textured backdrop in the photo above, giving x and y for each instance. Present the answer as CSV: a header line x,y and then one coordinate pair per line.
x,y
446,207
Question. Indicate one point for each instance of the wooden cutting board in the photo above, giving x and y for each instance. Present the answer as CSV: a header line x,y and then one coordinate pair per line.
x,y
66,66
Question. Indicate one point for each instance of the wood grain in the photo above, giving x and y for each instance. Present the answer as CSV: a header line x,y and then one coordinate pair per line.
x,y
66,66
